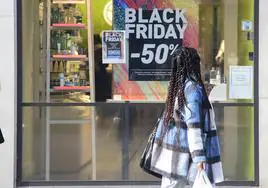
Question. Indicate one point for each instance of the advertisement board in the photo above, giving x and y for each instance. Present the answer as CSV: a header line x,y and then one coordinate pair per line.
x,y
153,36
113,47
131,87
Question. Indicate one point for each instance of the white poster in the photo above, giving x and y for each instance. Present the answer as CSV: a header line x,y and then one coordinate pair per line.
x,y
247,25
113,47
241,82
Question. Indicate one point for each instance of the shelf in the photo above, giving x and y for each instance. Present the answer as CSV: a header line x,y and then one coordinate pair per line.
x,y
64,26
69,1
69,57
70,89
64,72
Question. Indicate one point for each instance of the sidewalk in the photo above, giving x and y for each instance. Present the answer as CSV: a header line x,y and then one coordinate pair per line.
x,y
133,186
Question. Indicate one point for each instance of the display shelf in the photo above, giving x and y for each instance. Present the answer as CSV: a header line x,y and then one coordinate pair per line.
x,y
70,89
69,1
56,57
66,34
64,72
66,26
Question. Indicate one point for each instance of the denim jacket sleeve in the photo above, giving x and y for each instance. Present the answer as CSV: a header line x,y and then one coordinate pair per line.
x,y
192,117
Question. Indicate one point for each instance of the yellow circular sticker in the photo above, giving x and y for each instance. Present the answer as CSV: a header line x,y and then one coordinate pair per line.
x,y
108,13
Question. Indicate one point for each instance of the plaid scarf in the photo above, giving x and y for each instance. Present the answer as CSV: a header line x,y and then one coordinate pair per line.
x,y
177,149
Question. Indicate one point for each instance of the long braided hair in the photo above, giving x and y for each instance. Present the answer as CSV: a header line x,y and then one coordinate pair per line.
x,y
185,65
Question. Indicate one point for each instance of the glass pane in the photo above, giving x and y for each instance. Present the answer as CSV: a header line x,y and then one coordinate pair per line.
x,y
33,50
68,68
71,147
221,31
64,71
110,133
70,150
143,118
237,141
73,113
119,146
33,143
236,138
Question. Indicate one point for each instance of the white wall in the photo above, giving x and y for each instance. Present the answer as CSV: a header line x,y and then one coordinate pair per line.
x,y
263,92
7,92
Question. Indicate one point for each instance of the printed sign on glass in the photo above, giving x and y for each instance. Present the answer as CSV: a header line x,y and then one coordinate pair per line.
x,y
153,36
113,47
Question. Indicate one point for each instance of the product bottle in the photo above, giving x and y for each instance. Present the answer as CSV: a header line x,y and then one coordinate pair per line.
x,y
59,47
72,49
218,77
71,14
68,41
51,66
61,67
56,67
75,80
212,76
63,40
61,15
78,15
61,75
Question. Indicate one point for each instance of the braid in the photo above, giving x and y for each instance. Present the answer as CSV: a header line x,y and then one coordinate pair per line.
x,y
170,98
186,65
176,85
180,93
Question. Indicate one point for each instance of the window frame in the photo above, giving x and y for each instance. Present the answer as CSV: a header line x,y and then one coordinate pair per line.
x,y
21,104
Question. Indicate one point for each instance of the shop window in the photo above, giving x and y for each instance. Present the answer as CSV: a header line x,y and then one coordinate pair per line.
x,y
67,136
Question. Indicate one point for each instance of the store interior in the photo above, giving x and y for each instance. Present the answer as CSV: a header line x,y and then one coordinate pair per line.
x,y
59,143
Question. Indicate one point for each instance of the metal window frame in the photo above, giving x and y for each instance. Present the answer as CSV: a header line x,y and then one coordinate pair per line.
x,y
21,104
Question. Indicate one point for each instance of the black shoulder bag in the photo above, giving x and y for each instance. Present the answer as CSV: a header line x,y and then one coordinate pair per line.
x,y
146,157
1,137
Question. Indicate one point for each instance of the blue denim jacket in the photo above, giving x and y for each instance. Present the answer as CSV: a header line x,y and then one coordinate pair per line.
x,y
190,133
194,136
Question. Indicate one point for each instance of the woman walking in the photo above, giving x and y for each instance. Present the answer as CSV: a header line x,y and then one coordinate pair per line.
x,y
186,141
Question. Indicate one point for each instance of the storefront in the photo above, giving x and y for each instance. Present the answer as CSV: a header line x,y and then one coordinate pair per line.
x,y
84,106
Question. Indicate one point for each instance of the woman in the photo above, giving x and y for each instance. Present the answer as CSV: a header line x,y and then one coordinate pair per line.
x,y
186,139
